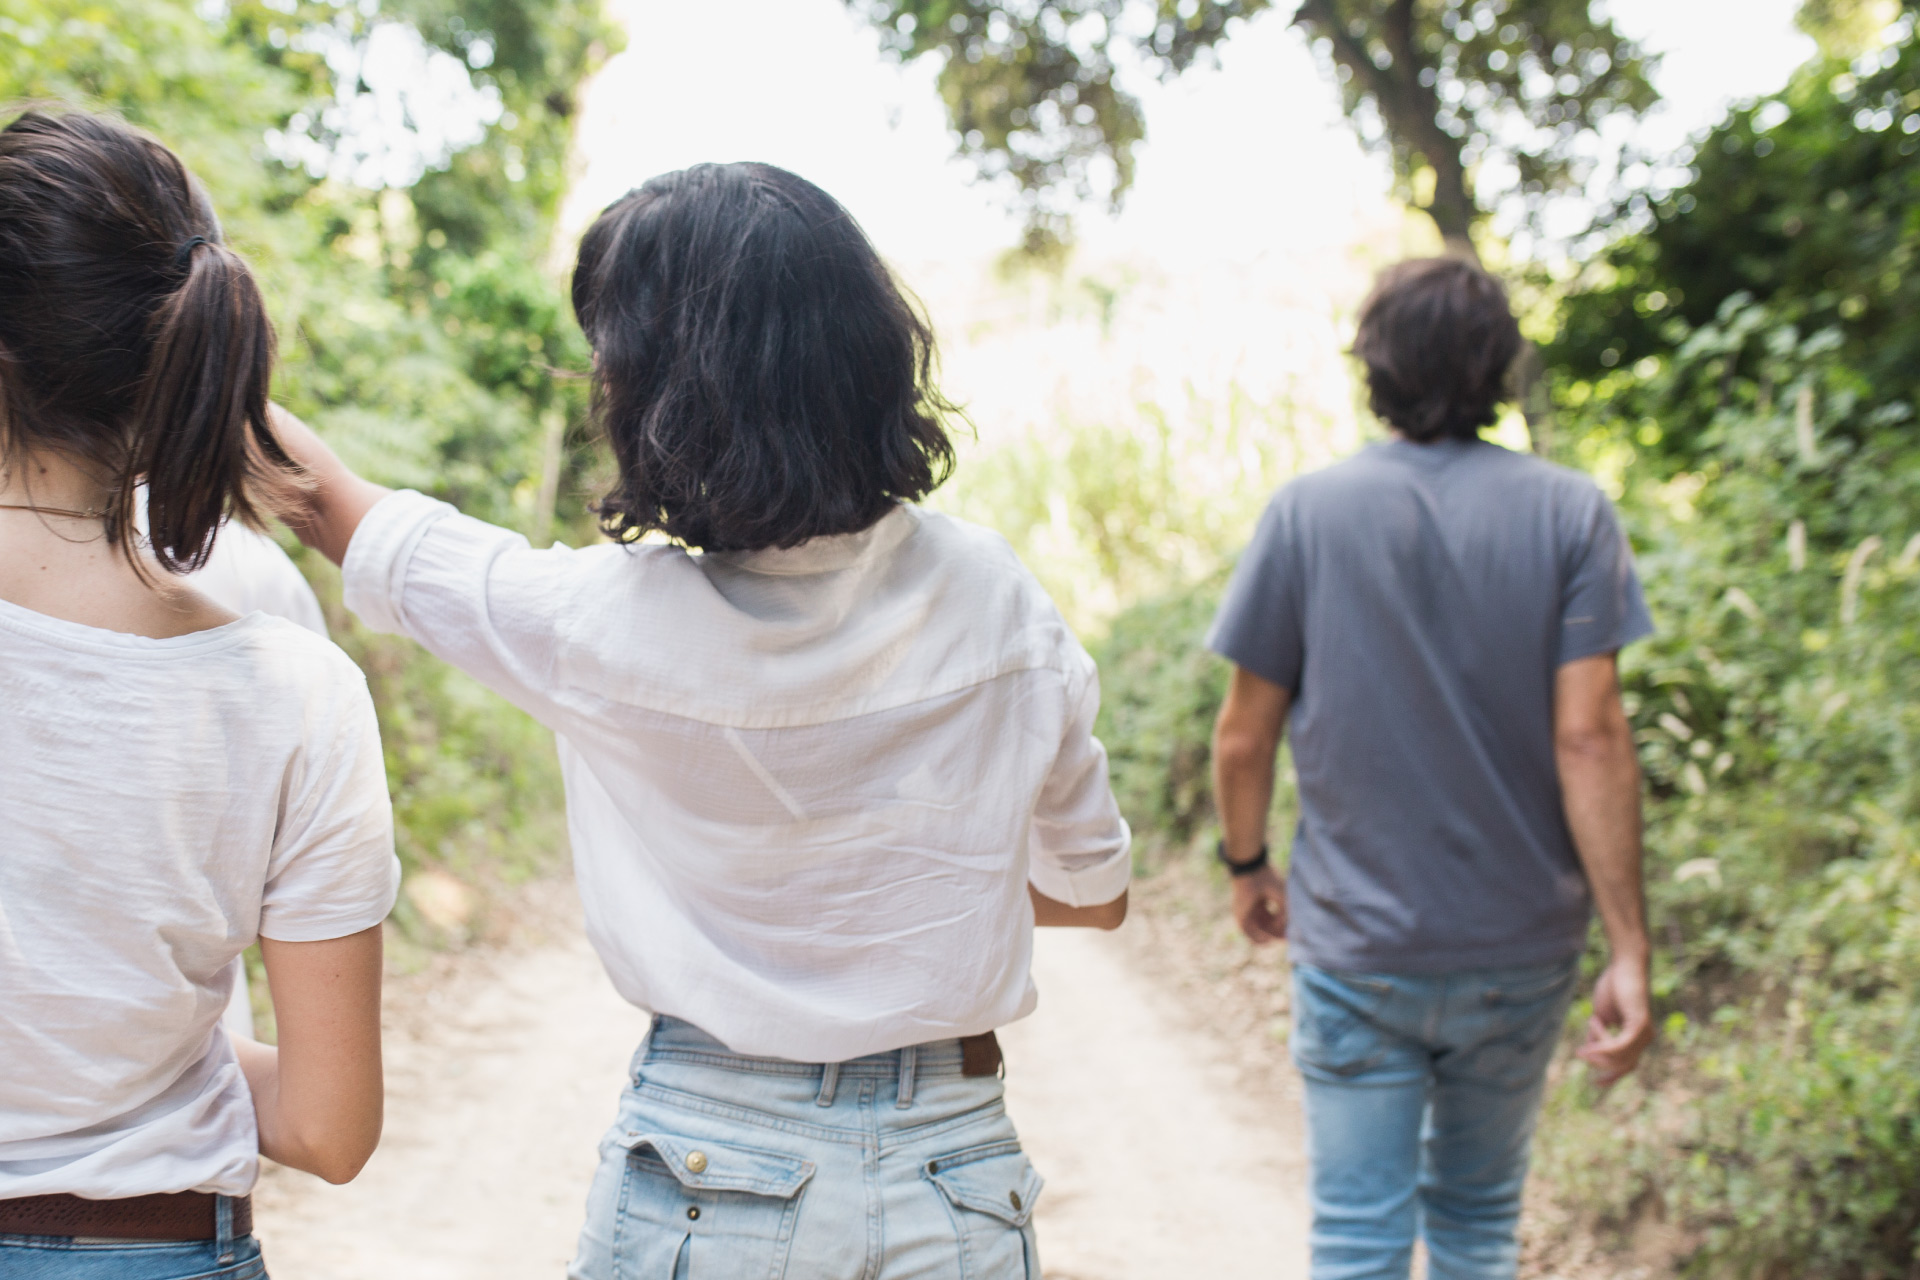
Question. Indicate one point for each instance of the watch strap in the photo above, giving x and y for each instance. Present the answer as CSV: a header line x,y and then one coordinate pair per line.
x,y
1238,869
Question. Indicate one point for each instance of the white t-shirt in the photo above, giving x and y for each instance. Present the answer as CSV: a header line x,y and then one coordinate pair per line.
x,y
807,788
164,803
246,572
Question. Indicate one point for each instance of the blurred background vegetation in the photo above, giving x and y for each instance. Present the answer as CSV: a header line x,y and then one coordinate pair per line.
x,y
393,171
1734,355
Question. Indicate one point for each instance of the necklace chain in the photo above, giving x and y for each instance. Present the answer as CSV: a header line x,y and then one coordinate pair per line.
x,y
51,511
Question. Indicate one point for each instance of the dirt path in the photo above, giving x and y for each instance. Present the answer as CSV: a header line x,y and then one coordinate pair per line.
x,y
1161,1160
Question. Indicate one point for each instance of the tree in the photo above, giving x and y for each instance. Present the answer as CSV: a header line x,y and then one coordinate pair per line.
x,y
1801,202
1448,89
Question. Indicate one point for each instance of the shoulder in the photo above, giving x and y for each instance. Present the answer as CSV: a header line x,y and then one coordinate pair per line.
x,y
287,658
976,573
1332,492
969,556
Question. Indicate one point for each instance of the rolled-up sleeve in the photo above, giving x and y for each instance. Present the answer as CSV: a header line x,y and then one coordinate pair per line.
x,y
1079,852
469,592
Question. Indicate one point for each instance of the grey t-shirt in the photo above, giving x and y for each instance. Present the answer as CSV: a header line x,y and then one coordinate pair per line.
x,y
1417,601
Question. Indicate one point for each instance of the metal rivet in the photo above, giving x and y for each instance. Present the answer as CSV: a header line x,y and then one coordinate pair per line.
x,y
693,1212
697,1161
1015,1197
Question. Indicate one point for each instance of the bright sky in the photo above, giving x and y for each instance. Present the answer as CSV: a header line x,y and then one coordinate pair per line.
x,y
1238,161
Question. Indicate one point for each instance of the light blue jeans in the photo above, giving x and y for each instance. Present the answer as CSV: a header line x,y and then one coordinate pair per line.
x,y
1421,1097
727,1167
227,1257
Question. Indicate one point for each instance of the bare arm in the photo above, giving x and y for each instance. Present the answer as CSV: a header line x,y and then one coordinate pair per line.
x,y
1050,914
1600,786
318,1097
338,500
1246,743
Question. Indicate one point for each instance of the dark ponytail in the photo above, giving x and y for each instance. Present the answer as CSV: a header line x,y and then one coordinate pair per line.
x,y
131,339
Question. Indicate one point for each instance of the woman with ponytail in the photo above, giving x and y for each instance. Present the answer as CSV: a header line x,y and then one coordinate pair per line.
x,y
179,781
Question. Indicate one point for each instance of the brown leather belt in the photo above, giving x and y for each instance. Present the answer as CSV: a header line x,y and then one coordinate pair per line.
x,y
980,1055
185,1215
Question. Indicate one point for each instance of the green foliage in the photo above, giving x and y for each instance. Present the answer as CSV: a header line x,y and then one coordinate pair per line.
x,y
1778,732
1807,201
418,331
1159,693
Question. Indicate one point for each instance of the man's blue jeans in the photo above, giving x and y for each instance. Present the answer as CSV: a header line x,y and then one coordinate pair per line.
x,y
1422,1091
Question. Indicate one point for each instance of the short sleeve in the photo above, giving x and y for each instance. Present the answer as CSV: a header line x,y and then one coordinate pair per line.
x,y
1602,608
1079,846
333,872
471,593
1261,625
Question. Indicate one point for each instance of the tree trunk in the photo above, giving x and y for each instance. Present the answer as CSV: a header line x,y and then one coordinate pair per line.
x,y
1411,111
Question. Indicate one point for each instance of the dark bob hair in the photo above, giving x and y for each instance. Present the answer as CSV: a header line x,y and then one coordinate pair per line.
x,y
760,375
131,339
1437,337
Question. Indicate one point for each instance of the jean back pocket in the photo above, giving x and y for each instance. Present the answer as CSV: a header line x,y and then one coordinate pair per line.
x,y
990,1190
692,1209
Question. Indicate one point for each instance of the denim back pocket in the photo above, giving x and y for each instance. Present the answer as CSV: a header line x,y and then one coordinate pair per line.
x,y
1333,1032
1523,1015
691,1209
990,1191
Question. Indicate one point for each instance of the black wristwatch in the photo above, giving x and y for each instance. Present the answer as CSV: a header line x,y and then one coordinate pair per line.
x,y
1238,869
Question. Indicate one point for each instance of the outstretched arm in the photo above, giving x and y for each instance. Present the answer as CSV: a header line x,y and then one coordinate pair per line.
x,y
1600,787
338,500
1246,743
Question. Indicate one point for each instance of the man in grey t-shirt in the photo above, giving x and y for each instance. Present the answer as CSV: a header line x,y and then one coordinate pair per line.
x,y
1438,620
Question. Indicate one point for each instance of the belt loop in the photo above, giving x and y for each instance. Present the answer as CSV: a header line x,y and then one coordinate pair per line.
x,y
909,1065
223,1228
829,1083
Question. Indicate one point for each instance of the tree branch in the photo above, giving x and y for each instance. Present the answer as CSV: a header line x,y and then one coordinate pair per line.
x,y
1410,109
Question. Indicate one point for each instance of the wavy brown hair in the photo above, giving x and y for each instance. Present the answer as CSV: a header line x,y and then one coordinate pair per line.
x,y
760,375
132,340
1437,337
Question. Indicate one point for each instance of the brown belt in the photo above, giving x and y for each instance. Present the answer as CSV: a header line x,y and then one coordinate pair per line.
x,y
980,1055
186,1215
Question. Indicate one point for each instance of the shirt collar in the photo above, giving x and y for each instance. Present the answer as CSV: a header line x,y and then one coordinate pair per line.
x,y
830,553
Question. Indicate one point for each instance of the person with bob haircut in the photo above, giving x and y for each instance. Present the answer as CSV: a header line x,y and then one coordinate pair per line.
x,y
181,781
1436,623
829,756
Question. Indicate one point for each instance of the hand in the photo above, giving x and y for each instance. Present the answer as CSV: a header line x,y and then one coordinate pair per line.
x,y
335,500
1260,905
1621,1027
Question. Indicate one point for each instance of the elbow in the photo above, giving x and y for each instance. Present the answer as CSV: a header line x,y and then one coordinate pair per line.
x,y
1112,915
343,1164
1238,751
332,1156
1602,741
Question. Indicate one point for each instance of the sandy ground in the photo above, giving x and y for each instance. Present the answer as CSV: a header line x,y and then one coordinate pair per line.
x,y
1165,1156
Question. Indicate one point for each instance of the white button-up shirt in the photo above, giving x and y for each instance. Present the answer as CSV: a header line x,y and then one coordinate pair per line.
x,y
806,788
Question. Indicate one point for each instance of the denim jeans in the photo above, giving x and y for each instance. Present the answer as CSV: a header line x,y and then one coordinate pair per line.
x,y
727,1167
1421,1097
227,1257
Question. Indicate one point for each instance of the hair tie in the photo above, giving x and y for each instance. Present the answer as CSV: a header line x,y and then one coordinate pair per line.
x,y
185,252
